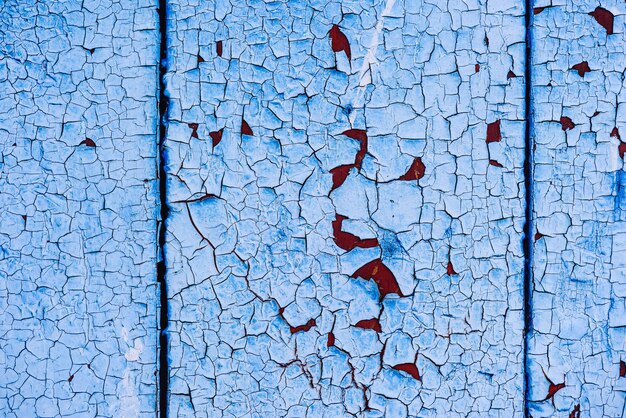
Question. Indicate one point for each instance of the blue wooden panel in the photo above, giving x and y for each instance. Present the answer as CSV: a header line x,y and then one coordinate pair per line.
x,y
346,195
78,199
578,343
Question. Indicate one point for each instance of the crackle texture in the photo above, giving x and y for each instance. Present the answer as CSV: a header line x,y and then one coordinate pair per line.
x,y
78,199
346,195
578,343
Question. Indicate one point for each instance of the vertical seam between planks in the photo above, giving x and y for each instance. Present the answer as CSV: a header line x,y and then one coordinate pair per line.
x,y
528,184
163,379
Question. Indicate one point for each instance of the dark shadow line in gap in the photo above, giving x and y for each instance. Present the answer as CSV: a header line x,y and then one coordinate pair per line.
x,y
528,186
163,380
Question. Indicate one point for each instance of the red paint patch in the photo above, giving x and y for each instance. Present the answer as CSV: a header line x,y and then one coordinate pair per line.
x,y
200,59
310,324
622,368
218,48
477,67
493,132
538,10
538,236
347,241
245,128
495,163
358,134
88,142
604,18
339,41
416,171
384,278
216,136
575,412
450,269
331,340
510,75
340,174
409,368
566,123
615,133
194,129
553,389
622,149
582,68
373,324
70,378
361,136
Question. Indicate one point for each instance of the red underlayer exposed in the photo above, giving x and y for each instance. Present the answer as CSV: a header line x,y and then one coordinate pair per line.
x,y
615,133
553,389
310,324
361,136
88,142
409,368
245,128
622,149
216,136
347,241
566,123
384,278
576,412
604,18
582,68
450,269
339,41
416,171
194,129
373,324
340,174
493,132
331,340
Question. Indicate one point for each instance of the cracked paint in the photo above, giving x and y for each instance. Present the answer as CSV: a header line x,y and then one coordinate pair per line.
x,y
578,339
78,192
361,250
344,208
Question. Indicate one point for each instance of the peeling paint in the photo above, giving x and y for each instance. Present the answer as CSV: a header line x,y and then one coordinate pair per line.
x,y
78,192
364,257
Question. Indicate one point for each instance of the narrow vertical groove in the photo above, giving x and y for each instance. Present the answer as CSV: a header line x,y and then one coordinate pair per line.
x,y
528,225
163,385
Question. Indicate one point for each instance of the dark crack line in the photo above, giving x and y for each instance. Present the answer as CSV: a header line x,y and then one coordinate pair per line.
x,y
528,224
163,381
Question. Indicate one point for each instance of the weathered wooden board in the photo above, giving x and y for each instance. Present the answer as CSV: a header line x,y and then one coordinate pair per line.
x,y
78,200
346,195
578,344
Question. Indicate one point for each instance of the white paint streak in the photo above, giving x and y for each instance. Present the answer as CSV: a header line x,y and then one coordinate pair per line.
x,y
370,58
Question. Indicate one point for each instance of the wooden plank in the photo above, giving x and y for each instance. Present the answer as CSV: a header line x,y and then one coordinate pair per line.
x,y
78,121
578,343
346,196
